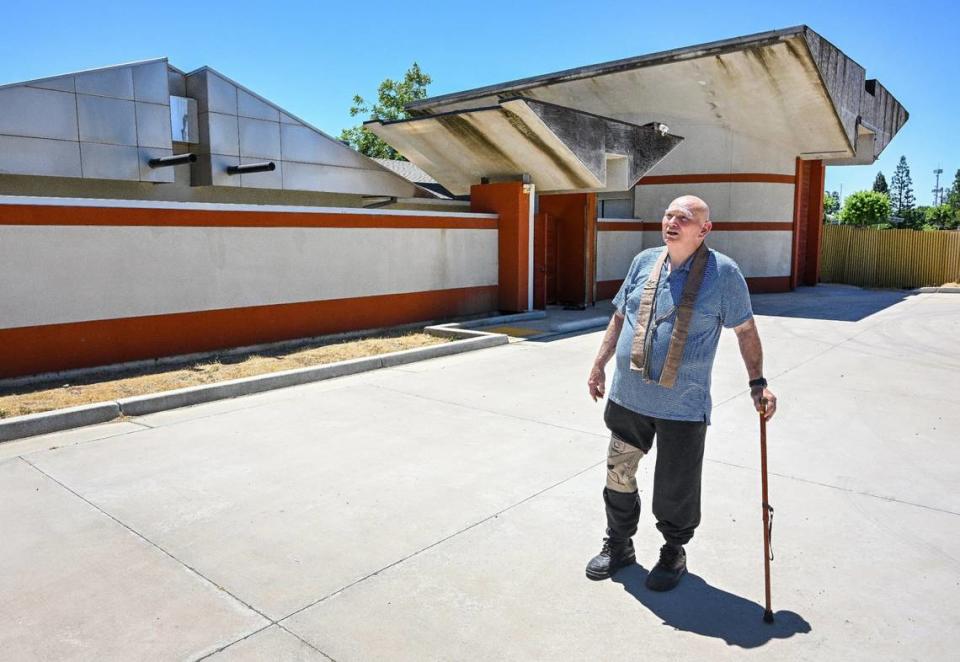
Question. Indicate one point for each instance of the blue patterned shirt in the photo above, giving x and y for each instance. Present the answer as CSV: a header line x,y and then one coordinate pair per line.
x,y
723,301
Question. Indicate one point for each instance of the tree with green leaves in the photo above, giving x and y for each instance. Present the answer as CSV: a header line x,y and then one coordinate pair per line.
x,y
953,194
940,217
392,98
831,204
880,184
913,219
865,208
901,189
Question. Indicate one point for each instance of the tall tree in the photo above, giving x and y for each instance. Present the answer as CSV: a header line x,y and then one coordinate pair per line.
x,y
392,97
901,189
880,184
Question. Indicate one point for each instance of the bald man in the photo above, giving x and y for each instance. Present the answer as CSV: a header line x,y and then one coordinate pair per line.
x,y
669,313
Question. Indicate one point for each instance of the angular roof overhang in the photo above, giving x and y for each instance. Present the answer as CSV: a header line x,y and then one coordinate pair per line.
x,y
560,148
790,87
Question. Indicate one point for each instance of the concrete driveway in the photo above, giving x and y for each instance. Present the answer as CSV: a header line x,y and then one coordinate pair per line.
x,y
445,510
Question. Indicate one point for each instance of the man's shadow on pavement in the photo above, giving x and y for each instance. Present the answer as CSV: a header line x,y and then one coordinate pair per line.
x,y
695,606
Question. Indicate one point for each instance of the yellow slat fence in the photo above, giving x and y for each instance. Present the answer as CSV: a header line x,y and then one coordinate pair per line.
x,y
889,258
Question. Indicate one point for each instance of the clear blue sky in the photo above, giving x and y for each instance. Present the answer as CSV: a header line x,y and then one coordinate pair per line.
x,y
311,57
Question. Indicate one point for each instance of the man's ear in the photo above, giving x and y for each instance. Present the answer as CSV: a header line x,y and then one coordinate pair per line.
x,y
705,229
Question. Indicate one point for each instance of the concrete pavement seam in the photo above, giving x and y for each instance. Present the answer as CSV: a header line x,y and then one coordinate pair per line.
x,y
206,656
561,427
258,631
297,636
837,487
441,541
490,411
146,540
210,415
80,443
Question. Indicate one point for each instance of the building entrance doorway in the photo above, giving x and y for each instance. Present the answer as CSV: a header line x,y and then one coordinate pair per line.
x,y
807,223
564,250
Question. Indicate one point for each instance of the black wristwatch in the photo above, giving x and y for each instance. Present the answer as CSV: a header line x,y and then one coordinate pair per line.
x,y
758,382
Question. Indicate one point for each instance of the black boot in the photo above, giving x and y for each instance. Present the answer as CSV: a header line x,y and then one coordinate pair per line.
x,y
616,553
669,569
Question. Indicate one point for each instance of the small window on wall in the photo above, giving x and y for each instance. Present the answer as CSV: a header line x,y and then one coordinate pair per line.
x,y
616,208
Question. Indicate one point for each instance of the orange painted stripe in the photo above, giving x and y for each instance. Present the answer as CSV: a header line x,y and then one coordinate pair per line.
x,y
607,289
720,178
47,348
718,226
133,216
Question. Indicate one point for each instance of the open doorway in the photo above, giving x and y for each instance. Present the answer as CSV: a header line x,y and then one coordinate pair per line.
x,y
565,245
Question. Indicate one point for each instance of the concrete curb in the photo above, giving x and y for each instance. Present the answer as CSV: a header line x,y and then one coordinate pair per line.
x,y
938,290
148,404
500,319
57,420
102,412
581,325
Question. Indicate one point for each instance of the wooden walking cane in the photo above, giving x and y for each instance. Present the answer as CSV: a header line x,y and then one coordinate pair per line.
x,y
767,511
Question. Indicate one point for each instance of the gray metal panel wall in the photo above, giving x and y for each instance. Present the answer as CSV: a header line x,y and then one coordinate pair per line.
x,y
237,127
103,124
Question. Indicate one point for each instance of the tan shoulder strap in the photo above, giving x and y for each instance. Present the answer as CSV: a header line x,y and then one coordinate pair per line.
x,y
681,326
645,314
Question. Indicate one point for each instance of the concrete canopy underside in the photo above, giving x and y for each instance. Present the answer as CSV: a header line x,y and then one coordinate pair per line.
x,y
789,87
560,148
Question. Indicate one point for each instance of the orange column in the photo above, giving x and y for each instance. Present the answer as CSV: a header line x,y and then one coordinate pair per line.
x,y
512,203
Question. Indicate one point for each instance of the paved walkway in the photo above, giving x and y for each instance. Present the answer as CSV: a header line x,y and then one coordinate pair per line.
x,y
445,510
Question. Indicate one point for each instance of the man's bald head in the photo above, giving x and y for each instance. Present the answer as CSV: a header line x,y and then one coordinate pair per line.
x,y
686,223
694,206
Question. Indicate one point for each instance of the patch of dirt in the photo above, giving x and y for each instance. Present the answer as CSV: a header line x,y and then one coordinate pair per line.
x,y
38,398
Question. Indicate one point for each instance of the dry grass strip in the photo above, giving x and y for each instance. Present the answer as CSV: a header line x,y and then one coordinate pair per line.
x,y
99,388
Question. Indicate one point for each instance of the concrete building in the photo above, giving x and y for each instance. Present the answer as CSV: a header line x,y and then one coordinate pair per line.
x,y
761,116
266,229
148,212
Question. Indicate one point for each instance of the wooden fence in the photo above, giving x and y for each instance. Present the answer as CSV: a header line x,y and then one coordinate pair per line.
x,y
889,258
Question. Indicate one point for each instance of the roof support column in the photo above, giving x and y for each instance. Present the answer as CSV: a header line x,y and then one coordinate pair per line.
x,y
513,202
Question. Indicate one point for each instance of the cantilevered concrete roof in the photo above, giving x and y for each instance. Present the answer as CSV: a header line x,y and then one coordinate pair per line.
x,y
560,148
790,87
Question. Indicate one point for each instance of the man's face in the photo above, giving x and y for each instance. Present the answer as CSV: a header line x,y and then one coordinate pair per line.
x,y
685,223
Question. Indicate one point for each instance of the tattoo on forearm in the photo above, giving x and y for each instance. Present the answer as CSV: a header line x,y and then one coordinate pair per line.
x,y
609,344
752,352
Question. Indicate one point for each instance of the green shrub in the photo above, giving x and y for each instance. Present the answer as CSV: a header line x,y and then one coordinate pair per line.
x,y
940,217
865,208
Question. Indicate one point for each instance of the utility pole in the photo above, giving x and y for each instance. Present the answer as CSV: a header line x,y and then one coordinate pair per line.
x,y
937,190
